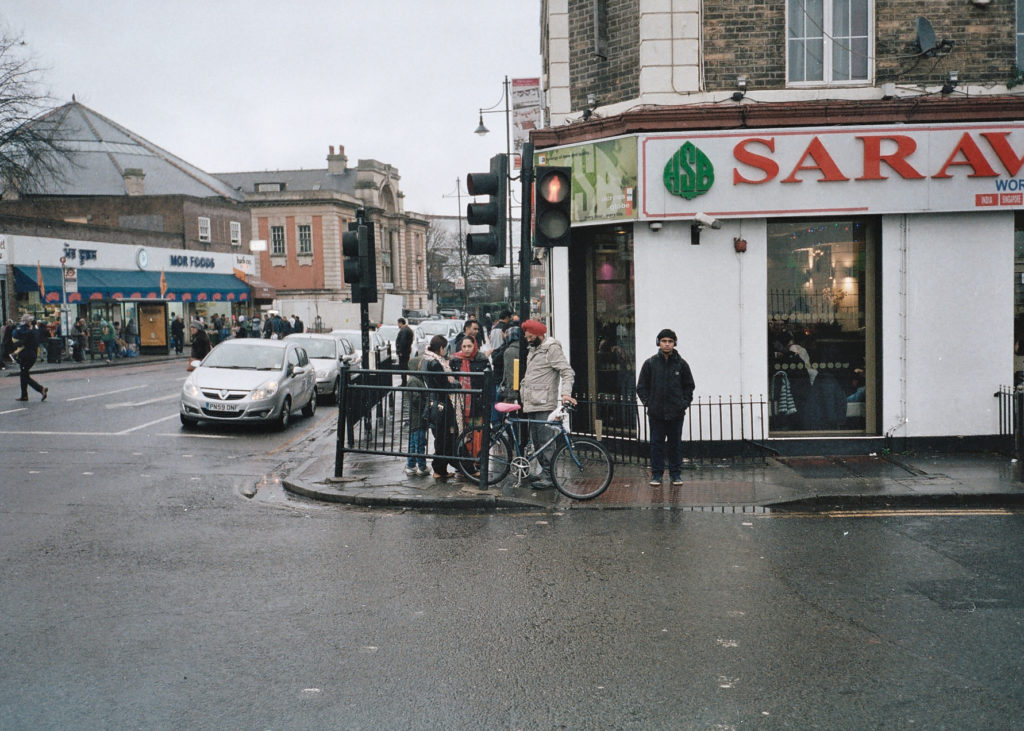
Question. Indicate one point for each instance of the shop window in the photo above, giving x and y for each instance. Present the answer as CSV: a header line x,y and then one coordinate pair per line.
x,y
828,41
305,240
204,229
277,247
822,325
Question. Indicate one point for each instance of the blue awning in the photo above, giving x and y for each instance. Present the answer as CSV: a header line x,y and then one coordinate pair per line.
x,y
117,284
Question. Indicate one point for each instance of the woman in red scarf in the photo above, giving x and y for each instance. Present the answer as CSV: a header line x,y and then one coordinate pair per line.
x,y
469,409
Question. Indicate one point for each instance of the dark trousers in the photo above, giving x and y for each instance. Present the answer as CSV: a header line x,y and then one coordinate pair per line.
x,y
539,434
670,431
27,380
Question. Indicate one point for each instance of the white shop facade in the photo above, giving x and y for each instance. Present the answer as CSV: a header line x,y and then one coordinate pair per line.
x,y
862,283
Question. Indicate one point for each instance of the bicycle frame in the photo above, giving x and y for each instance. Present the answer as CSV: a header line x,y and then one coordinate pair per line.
x,y
508,427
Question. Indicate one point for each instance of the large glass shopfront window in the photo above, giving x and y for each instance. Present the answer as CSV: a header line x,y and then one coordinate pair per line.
x,y
822,325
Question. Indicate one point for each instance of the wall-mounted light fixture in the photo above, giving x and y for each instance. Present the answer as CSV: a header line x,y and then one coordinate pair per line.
x,y
655,225
741,88
952,79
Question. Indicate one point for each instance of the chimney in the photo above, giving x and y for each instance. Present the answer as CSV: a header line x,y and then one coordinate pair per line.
x,y
134,181
337,164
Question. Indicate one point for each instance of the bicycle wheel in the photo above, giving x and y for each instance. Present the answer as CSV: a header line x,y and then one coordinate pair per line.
x,y
583,472
469,445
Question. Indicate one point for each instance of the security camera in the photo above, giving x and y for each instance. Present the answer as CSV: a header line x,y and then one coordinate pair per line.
x,y
707,221
654,225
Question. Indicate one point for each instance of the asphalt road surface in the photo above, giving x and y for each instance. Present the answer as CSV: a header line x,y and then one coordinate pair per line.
x,y
142,590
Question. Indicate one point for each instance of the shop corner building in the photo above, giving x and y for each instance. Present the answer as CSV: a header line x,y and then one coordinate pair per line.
x,y
867,278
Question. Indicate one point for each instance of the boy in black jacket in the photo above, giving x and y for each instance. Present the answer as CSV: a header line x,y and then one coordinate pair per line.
x,y
666,387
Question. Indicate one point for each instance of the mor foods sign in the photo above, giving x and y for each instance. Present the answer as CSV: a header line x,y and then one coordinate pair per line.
x,y
785,172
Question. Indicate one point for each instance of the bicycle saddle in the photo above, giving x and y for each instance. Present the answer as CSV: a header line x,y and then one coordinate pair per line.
x,y
506,408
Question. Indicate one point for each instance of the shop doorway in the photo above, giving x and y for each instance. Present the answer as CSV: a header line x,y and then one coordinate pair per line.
x,y
603,334
823,326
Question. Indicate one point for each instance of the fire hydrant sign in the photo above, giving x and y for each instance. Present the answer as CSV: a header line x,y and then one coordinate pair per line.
x,y
833,170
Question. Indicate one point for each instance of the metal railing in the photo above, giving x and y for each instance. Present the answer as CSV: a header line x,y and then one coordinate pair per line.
x,y
1011,416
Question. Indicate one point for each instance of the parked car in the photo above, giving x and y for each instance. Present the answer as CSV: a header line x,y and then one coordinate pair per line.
x,y
390,332
379,347
429,328
414,317
250,380
327,353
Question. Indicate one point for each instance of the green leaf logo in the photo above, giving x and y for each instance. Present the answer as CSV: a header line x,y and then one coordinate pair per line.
x,y
689,173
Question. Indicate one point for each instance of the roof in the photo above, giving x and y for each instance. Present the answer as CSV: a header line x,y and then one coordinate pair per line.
x,y
292,180
103,150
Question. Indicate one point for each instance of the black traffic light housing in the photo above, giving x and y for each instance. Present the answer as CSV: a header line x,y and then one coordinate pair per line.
x,y
360,261
553,206
491,214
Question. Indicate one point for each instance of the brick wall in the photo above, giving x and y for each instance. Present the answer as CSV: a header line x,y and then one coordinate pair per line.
x,y
616,77
749,39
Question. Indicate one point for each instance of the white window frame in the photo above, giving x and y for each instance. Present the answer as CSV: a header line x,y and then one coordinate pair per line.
x,y
829,43
278,241
204,229
236,233
305,241
1020,35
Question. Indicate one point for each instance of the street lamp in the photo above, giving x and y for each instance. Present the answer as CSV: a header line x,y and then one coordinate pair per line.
x,y
482,130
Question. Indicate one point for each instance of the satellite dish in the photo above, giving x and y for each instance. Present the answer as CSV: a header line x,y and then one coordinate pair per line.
x,y
925,37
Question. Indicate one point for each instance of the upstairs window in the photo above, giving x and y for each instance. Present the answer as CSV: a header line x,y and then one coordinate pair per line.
x,y
277,241
236,233
204,229
828,41
1020,35
305,240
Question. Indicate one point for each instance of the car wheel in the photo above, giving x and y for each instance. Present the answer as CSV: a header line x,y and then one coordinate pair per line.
x,y
188,421
310,408
285,417
337,390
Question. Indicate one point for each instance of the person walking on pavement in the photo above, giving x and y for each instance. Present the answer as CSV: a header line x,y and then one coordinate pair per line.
x,y
26,343
403,346
80,339
547,383
200,341
665,387
178,334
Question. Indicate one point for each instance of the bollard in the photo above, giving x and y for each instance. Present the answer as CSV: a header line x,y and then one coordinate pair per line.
x,y
339,450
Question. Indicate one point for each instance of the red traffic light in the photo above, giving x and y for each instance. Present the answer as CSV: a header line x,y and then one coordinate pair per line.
x,y
553,209
554,188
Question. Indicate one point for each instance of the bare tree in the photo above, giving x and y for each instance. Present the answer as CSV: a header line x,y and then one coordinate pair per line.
x,y
31,150
448,264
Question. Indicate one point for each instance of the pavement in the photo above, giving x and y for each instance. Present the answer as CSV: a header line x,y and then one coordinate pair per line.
x,y
799,484
772,484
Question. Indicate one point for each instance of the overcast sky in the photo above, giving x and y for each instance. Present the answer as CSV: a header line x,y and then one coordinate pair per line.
x,y
233,85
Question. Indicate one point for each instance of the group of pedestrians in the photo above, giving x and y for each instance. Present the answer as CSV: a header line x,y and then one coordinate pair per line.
x,y
665,386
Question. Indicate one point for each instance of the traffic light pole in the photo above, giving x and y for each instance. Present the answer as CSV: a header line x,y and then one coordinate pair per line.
x,y
364,306
525,247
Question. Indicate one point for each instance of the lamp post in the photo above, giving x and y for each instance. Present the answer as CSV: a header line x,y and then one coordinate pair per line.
x,y
458,197
482,130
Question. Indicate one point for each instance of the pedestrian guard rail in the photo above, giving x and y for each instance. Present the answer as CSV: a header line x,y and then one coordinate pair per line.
x,y
375,412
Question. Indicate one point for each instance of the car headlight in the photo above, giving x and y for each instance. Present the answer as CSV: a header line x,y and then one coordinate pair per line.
x,y
265,390
322,373
190,387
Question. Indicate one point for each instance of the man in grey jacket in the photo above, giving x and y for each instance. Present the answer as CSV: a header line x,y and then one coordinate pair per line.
x,y
547,383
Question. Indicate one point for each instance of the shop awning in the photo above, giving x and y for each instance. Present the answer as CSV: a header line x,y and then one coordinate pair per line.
x,y
114,284
262,290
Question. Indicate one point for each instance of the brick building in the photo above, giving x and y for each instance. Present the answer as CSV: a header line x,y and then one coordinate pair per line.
x,y
863,159
301,214
127,209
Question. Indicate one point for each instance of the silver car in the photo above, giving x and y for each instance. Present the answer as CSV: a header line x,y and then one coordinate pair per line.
x,y
379,349
327,353
429,328
250,380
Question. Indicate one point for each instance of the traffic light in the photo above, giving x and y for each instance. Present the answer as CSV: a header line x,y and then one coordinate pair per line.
x,y
360,265
553,206
491,214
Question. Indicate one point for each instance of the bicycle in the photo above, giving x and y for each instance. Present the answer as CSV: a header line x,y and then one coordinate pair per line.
x,y
581,467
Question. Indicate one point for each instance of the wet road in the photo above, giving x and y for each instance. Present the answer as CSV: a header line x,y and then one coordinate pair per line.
x,y
140,589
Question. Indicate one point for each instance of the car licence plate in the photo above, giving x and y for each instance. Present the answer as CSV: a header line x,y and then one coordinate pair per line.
x,y
211,406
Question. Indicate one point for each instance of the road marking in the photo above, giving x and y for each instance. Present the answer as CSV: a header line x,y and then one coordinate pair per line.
x,y
882,513
14,411
143,426
107,393
123,404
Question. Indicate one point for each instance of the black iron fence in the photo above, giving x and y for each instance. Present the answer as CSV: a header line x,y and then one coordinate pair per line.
x,y
377,415
1011,416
